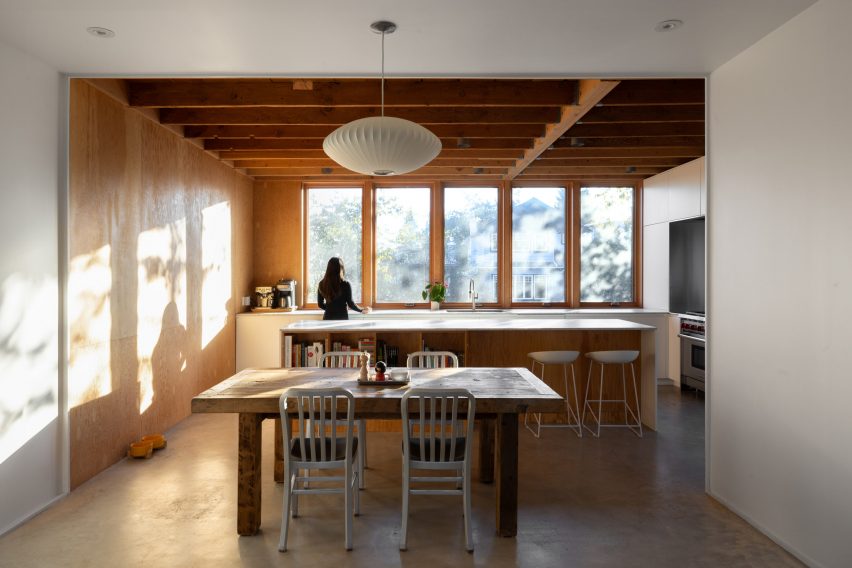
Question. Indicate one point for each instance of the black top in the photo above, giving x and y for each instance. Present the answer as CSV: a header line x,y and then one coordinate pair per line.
x,y
336,309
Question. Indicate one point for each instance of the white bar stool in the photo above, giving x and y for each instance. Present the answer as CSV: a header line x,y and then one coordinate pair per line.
x,y
566,359
604,358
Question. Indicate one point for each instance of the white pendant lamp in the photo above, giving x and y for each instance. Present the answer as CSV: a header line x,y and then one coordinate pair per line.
x,y
382,145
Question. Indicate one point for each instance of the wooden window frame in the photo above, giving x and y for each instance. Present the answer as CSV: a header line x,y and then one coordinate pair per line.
x,y
498,185
309,298
508,276
422,304
637,244
504,240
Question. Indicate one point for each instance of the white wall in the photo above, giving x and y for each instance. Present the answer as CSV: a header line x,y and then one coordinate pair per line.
x,y
780,284
31,473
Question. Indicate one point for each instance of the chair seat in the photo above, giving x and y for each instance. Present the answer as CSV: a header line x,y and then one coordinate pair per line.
x,y
554,357
613,357
339,449
414,449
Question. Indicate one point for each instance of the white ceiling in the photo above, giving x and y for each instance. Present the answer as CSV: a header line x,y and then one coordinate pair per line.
x,y
435,37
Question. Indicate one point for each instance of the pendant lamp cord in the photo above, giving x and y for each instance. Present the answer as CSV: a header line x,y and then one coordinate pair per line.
x,y
383,74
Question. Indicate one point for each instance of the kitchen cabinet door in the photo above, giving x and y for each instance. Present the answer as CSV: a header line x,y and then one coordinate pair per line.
x,y
655,266
655,199
685,191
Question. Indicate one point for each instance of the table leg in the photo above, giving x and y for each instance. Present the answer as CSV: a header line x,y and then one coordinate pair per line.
x,y
507,474
486,450
248,474
279,452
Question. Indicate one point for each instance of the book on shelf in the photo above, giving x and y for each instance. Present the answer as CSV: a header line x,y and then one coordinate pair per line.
x,y
288,351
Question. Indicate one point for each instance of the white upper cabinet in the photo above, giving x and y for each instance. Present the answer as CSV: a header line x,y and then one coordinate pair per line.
x,y
685,190
655,266
679,193
655,199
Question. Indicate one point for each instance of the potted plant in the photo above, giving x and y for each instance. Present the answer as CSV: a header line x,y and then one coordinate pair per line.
x,y
436,292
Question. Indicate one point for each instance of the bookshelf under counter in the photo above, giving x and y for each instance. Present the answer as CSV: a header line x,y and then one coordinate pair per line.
x,y
490,343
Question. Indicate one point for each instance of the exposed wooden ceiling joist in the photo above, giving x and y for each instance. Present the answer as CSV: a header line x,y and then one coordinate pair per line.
x,y
177,93
342,115
323,130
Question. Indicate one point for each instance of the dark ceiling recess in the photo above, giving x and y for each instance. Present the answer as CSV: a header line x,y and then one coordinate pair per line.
x,y
496,128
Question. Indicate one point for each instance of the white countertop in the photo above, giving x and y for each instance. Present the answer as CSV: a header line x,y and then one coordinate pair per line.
x,y
533,313
490,324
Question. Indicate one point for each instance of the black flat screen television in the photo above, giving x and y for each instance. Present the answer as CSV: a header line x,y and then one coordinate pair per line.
x,y
686,266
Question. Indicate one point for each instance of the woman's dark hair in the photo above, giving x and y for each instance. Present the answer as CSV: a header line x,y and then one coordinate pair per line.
x,y
329,286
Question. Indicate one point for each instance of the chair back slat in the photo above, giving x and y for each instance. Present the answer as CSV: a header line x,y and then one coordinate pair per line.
x,y
343,359
317,415
438,423
432,359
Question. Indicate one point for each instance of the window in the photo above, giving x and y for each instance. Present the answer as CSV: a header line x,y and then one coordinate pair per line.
x,y
470,242
606,244
402,243
538,252
334,229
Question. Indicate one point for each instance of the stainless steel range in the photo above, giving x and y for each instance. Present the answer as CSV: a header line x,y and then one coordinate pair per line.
x,y
692,349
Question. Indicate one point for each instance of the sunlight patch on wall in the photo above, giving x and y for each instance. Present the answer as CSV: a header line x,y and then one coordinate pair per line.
x,y
90,325
28,359
216,266
162,297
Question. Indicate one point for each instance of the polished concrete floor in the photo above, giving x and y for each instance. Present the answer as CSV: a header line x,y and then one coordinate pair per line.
x,y
613,501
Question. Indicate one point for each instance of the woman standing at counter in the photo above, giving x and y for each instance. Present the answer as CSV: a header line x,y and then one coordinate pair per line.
x,y
334,293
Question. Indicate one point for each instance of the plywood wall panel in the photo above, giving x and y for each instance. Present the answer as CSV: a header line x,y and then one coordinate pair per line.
x,y
143,340
278,233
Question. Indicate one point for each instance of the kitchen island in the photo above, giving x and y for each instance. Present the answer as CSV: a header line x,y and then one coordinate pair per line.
x,y
498,342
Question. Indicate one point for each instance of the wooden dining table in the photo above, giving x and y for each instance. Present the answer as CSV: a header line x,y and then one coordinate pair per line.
x,y
501,395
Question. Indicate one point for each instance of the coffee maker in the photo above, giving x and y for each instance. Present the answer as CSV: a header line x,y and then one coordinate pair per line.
x,y
285,294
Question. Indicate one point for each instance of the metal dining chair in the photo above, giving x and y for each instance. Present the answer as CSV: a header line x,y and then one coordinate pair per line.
x,y
319,446
431,360
351,360
435,438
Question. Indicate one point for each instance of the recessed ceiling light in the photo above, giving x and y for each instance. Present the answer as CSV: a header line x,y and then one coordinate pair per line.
x,y
668,25
101,32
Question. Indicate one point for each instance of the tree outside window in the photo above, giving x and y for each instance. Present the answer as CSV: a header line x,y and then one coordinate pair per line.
x,y
402,243
606,244
470,242
334,229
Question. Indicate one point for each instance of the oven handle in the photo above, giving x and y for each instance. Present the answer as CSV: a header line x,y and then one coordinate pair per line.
x,y
692,338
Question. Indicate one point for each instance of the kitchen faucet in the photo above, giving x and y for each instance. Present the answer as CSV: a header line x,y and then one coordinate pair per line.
x,y
471,292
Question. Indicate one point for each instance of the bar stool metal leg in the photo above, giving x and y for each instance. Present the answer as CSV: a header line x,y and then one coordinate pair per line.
x,y
573,413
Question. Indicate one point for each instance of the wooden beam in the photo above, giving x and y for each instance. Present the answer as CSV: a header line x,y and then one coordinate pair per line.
x,y
630,142
351,92
668,162
604,130
316,143
327,162
593,170
323,130
647,152
591,92
426,170
467,153
342,115
676,113
657,92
